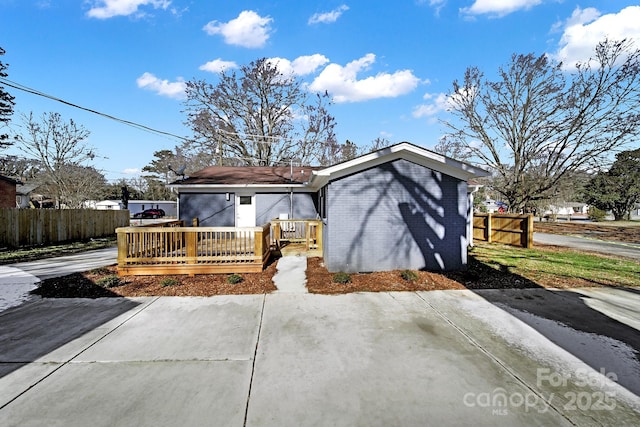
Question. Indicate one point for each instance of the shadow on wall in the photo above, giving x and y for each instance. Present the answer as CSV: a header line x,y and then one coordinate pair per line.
x,y
433,220
416,224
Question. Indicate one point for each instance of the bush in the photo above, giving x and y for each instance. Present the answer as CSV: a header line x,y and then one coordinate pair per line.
x,y
409,276
234,279
342,278
100,270
596,214
108,281
168,281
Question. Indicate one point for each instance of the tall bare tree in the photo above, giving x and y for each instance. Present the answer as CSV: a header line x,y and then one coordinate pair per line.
x,y
536,123
60,147
259,116
6,105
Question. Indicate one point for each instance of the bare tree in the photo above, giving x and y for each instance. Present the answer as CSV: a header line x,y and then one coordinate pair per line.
x,y
6,105
537,124
59,147
80,184
259,117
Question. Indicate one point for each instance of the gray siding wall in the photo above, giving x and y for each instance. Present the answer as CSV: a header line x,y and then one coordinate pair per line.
x,y
398,215
213,210
271,205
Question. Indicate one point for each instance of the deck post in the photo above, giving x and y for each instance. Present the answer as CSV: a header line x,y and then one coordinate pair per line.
x,y
122,246
488,226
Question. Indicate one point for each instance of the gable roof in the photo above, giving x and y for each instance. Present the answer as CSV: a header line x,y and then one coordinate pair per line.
x,y
404,150
315,177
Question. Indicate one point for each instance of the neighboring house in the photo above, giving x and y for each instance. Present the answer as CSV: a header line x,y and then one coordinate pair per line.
x,y
108,205
24,192
402,207
8,192
168,206
569,208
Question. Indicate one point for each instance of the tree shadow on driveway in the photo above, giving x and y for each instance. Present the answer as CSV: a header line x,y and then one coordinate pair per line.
x,y
597,325
31,331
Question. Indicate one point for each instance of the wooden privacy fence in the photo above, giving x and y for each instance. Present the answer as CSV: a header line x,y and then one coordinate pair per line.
x,y
192,250
32,227
510,229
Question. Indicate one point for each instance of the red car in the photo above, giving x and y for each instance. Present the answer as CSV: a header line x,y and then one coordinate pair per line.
x,y
150,213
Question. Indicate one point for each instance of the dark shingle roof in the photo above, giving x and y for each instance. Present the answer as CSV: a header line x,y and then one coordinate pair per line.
x,y
232,175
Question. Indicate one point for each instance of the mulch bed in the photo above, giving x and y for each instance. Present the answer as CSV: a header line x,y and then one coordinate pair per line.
x,y
319,280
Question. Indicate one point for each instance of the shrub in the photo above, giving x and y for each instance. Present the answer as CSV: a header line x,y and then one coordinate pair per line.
x,y
168,281
234,279
108,281
342,278
100,270
596,214
409,276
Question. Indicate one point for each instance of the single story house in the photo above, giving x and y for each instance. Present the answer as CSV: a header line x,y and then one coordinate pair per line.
x,y
8,192
402,207
107,205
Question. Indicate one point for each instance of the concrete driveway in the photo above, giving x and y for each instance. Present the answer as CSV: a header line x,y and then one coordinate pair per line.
x,y
522,357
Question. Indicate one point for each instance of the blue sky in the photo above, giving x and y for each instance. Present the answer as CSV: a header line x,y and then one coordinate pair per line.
x,y
387,64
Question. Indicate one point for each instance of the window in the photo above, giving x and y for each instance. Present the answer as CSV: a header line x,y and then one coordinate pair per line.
x,y
245,200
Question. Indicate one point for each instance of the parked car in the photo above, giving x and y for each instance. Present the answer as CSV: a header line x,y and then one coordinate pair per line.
x,y
150,213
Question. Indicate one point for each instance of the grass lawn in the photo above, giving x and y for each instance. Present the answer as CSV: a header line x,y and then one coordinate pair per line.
x,y
558,267
9,256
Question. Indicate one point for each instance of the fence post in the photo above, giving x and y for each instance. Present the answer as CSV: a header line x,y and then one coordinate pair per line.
x,y
529,232
488,227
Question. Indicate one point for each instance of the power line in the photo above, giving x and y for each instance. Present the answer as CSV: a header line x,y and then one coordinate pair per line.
x,y
32,91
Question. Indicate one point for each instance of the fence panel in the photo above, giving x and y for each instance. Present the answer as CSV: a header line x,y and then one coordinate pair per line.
x,y
32,227
510,229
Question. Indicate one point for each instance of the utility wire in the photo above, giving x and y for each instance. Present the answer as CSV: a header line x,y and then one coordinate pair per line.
x,y
71,104
32,91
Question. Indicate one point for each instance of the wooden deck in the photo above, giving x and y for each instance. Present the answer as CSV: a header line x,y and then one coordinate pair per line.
x,y
192,250
174,249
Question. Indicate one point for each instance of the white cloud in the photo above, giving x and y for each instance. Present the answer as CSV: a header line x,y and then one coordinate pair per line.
x,y
247,30
131,171
218,66
439,102
498,8
104,9
586,28
343,83
166,88
328,17
300,66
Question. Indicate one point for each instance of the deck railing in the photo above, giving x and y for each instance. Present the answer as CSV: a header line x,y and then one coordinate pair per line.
x,y
192,250
307,231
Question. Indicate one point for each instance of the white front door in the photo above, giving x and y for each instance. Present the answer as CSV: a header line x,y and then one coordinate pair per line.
x,y
245,210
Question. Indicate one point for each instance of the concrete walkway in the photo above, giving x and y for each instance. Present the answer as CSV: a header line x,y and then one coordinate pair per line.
x,y
486,358
291,276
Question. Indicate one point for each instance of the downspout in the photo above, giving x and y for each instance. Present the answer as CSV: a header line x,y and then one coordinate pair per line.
x,y
291,191
470,215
